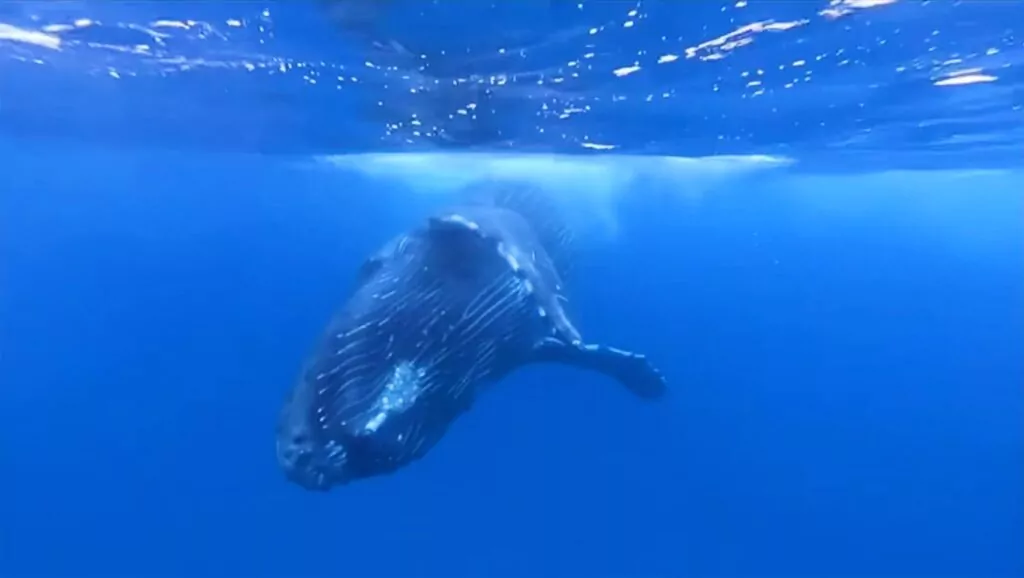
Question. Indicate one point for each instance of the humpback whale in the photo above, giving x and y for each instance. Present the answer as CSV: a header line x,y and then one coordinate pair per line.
x,y
472,293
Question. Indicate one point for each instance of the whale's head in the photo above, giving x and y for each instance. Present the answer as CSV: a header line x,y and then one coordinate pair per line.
x,y
430,316
330,434
305,455
375,394
360,406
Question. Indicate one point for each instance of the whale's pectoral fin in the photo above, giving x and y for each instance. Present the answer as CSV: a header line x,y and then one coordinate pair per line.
x,y
630,369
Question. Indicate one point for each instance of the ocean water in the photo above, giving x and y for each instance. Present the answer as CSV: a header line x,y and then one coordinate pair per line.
x,y
834,291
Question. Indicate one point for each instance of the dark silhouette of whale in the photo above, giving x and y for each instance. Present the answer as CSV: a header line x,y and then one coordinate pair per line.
x,y
464,299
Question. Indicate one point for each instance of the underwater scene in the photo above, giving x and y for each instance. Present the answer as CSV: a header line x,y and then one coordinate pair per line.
x,y
512,288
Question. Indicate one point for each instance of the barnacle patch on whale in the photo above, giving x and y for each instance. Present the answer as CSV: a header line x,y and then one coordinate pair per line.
x,y
401,390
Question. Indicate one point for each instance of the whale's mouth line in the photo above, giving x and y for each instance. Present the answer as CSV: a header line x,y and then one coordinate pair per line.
x,y
311,480
309,472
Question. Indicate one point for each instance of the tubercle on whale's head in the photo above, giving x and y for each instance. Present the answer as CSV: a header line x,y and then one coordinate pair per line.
x,y
301,454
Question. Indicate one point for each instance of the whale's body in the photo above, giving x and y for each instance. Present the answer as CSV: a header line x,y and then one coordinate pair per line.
x,y
439,312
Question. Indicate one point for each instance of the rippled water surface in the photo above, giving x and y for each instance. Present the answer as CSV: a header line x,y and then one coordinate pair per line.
x,y
873,82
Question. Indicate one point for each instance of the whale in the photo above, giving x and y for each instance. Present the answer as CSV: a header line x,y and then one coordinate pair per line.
x,y
437,315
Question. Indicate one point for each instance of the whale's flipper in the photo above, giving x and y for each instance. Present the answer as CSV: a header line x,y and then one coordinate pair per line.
x,y
630,369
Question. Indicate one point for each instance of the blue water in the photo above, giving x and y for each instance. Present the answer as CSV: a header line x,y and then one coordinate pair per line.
x,y
839,310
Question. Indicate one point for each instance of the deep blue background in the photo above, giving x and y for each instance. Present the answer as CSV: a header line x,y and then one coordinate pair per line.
x,y
845,356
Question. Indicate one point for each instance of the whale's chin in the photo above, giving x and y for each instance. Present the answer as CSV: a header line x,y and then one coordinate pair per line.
x,y
312,466
326,440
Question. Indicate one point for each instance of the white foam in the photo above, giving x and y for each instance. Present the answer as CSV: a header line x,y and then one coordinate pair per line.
x,y
16,34
440,172
589,184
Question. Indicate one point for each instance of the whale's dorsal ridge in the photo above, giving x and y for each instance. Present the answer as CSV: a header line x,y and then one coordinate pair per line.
x,y
564,345
467,241
537,209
